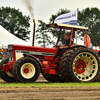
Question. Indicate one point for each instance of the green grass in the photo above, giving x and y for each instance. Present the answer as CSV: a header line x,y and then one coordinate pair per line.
x,y
49,84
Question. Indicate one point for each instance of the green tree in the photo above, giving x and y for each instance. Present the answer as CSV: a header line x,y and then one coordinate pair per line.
x,y
55,32
90,17
43,38
15,22
43,30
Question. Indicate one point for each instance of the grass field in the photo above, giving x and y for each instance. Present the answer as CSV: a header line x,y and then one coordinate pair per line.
x,y
49,84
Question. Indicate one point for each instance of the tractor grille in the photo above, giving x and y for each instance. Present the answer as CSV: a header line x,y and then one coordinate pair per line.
x,y
10,55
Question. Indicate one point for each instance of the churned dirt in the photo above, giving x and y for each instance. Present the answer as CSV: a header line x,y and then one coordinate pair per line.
x,y
49,93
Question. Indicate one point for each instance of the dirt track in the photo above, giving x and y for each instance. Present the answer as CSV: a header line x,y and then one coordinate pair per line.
x,y
50,93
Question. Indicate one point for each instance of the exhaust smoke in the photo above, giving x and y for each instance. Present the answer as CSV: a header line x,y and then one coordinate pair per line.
x,y
29,4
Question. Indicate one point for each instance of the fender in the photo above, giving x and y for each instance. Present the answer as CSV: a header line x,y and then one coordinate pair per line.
x,y
36,60
74,46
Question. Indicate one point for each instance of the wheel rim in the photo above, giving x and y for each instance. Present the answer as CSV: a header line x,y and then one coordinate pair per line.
x,y
28,70
80,66
9,74
85,66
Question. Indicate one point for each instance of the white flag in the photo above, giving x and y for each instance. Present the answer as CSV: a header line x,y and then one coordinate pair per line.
x,y
69,18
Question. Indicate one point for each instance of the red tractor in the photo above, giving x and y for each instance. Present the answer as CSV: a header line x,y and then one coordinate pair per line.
x,y
78,64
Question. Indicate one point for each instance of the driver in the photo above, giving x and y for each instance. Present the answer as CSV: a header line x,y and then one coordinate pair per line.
x,y
66,44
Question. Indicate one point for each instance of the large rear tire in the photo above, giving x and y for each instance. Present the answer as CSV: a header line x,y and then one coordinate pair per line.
x,y
80,65
26,70
6,75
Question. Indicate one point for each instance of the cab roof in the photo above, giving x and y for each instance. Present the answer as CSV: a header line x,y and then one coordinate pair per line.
x,y
66,26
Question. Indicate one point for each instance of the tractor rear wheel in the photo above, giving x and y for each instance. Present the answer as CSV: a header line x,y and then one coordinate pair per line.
x,y
6,75
26,70
80,65
53,78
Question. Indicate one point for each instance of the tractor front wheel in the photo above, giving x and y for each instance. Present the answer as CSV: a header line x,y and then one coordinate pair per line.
x,y
26,69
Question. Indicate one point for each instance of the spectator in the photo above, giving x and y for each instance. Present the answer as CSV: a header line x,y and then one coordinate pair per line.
x,y
5,53
1,54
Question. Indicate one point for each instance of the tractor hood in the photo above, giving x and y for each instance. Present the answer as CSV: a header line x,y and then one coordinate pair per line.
x,y
33,50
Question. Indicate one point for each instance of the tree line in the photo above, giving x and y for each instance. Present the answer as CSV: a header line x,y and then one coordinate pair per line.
x,y
18,24
15,22
88,17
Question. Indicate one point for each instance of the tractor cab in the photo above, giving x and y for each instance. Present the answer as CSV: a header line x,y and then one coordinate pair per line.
x,y
73,28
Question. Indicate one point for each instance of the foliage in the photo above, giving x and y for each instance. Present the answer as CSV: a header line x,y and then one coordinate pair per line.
x,y
55,32
90,17
43,30
15,22
61,11
43,38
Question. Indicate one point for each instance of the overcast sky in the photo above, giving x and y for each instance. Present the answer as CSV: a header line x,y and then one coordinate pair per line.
x,y
43,9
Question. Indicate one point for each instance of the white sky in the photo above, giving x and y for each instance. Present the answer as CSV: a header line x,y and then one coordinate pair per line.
x,y
43,9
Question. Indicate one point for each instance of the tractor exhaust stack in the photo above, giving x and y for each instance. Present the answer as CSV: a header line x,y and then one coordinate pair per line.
x,y
33,31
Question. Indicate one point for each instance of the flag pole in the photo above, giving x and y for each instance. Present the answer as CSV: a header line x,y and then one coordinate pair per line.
x,y
77,14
